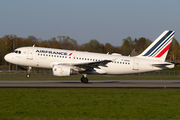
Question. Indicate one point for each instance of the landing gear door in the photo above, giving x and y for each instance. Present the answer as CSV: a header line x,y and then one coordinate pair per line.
x,y
30,54
136,64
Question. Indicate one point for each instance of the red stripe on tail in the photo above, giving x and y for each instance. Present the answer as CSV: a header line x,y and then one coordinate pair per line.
x,y
164,50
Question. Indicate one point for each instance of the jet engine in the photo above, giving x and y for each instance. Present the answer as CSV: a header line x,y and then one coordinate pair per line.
x,y
61,70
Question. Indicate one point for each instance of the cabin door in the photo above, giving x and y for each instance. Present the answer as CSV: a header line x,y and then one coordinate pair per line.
x,y
30,54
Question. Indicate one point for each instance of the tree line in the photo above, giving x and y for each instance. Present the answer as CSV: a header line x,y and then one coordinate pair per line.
x,y
129,47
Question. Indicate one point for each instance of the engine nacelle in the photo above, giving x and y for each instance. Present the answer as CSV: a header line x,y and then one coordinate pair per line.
x,y
61,70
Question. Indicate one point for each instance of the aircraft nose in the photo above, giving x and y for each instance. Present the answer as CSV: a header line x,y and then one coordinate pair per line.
x,y
7,57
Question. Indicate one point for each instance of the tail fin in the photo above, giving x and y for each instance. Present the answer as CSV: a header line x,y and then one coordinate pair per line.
x,y
159,48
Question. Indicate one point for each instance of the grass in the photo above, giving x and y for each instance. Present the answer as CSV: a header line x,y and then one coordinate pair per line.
x,y
81,104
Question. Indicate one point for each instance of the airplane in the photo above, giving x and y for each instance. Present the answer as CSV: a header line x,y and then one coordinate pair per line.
x,y
67,62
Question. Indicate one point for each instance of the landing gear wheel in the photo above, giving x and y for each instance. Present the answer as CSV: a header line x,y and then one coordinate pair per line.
x,y
84,80
28,75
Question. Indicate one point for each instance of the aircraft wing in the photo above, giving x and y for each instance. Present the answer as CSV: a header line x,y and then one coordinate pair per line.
x,y
87,66
92,64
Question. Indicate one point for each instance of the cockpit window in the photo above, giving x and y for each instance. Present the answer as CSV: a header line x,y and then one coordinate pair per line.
x,y
17,51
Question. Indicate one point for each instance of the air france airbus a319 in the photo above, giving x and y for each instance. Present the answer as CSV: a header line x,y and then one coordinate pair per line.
x,y
67,62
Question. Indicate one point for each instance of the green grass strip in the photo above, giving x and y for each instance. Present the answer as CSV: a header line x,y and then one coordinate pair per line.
x,y
97,104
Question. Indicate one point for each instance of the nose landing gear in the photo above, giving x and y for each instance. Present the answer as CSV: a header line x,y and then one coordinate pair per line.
x,y
28,72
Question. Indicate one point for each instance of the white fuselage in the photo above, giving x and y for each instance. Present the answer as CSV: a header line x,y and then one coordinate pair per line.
x,y
47,57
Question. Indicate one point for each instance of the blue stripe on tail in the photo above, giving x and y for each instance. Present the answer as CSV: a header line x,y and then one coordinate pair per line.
x,y
163,44
158,43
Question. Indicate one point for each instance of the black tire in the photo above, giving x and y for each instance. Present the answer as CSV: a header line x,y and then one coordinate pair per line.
x,y
85,80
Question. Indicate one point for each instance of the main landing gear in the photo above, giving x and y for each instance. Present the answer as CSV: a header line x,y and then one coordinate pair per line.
x,y
28,72
84,79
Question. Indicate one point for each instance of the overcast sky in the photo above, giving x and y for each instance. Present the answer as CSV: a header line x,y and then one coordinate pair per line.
x,y
105,20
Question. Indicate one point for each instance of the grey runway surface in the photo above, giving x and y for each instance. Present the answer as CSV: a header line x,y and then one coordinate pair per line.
x,y
92,84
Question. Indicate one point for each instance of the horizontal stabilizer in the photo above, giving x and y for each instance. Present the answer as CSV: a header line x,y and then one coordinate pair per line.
x,y
161,65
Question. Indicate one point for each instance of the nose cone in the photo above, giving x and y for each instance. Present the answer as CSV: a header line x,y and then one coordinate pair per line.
x,y
7,57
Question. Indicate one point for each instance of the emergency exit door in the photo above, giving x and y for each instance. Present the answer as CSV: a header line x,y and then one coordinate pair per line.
x,y
136,65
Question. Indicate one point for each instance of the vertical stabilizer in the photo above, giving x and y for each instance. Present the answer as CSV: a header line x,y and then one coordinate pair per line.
x,y
159,48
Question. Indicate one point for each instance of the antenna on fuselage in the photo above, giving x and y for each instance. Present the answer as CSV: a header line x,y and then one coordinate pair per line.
x,y
34,45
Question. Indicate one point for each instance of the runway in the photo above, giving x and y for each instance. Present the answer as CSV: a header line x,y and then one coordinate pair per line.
x,y
93,84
